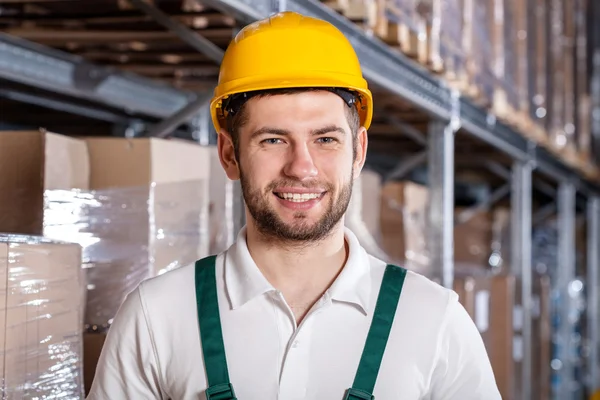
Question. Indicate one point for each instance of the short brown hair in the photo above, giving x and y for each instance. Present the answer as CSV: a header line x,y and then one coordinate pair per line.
x,y
235,122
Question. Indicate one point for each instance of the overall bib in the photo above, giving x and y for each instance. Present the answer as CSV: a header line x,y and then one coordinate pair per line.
x,y
219,386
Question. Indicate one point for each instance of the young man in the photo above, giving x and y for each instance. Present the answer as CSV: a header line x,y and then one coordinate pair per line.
x,y
295,309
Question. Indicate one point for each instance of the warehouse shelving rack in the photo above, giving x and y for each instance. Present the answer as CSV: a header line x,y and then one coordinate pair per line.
x,y
70,83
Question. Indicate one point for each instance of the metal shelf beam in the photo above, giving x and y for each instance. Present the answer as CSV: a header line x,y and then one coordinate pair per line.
x,y
42,67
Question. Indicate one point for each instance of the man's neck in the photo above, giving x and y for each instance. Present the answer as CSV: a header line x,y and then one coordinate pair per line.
x,y
301,273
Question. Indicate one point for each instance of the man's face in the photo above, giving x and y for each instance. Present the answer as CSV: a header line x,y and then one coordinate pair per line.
x,y
296,164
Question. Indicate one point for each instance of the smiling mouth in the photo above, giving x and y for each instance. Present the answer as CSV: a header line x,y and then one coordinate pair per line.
x,y
299,197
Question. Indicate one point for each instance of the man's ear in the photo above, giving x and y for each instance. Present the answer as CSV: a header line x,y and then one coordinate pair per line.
x,y
362,142
227,155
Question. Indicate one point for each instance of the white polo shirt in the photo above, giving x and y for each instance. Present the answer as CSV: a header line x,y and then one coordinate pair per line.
x,y
153,349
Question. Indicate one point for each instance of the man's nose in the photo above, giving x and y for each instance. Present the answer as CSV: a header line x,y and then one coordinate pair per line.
x,y
300,163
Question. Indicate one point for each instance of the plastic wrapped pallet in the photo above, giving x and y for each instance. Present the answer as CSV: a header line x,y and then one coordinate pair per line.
x,y
41,319
224,208
32,161
446,52
538,70
523,56
404,225
403,222
582,101
489,300
363,211
481,72
504,42
145,214
401,23
559,137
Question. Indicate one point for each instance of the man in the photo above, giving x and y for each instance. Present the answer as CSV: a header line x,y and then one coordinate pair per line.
x,y
295,309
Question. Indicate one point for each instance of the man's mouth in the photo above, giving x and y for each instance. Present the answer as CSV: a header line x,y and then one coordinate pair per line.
x,y
298,197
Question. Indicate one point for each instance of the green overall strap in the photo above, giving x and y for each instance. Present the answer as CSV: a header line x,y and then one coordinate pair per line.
x,y
381,325
211,336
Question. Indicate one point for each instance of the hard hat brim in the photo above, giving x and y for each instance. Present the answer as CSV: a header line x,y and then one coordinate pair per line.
x,y
315,80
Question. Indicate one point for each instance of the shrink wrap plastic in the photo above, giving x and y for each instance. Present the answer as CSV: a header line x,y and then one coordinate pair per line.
x,y
41,319
129,234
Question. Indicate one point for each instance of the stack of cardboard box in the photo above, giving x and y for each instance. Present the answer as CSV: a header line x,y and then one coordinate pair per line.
x,y
483,279
132,208
41,316
42,286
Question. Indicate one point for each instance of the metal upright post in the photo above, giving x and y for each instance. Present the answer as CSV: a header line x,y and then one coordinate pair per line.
x,y
441,201
593,300
521,224
201,126
565,276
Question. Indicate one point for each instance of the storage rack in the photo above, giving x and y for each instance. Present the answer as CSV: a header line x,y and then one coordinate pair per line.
x,y
70,83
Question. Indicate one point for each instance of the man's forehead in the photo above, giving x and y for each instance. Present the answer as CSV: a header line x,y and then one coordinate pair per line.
x,y
295,116
300,107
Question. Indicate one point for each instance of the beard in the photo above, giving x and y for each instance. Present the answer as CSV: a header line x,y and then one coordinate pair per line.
x,y
269,223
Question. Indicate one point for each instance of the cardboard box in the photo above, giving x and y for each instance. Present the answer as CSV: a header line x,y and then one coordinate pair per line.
x,y
31,162
490,302
371,183
147,214
542,338
403,224
473,239
92,348
41,307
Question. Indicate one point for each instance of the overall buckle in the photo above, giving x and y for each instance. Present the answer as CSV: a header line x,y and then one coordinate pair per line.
x,y
357,394
221,391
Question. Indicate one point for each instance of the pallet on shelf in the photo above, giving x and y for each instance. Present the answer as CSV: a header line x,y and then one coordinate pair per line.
x,y
503,56
360,12
399,24
449,43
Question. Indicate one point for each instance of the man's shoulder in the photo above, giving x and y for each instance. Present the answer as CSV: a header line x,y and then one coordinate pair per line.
x,y
169,286
420,294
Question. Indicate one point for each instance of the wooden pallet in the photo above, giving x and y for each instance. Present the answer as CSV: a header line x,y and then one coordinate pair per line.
x,y
518,119
403,38
360,12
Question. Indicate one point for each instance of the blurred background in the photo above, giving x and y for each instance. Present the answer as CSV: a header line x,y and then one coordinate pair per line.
x,y
483,171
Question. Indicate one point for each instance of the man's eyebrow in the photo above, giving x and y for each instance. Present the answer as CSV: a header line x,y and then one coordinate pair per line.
x,y
329,129
266,130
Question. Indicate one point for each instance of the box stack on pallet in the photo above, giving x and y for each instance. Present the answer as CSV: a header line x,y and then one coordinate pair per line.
x,y
526,61
483,278
83,221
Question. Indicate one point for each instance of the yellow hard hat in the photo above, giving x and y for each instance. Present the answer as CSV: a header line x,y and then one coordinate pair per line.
x,y
290,50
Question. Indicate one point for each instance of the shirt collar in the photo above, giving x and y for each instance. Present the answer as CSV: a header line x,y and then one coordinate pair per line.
x,y
244,281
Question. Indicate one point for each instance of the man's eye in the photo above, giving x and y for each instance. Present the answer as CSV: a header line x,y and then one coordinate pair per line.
x,y
272,141
327,140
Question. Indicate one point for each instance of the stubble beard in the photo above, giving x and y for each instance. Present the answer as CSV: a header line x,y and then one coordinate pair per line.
x,y
271,226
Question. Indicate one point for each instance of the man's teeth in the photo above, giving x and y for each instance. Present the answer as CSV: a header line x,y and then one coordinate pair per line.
x,y
299,197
